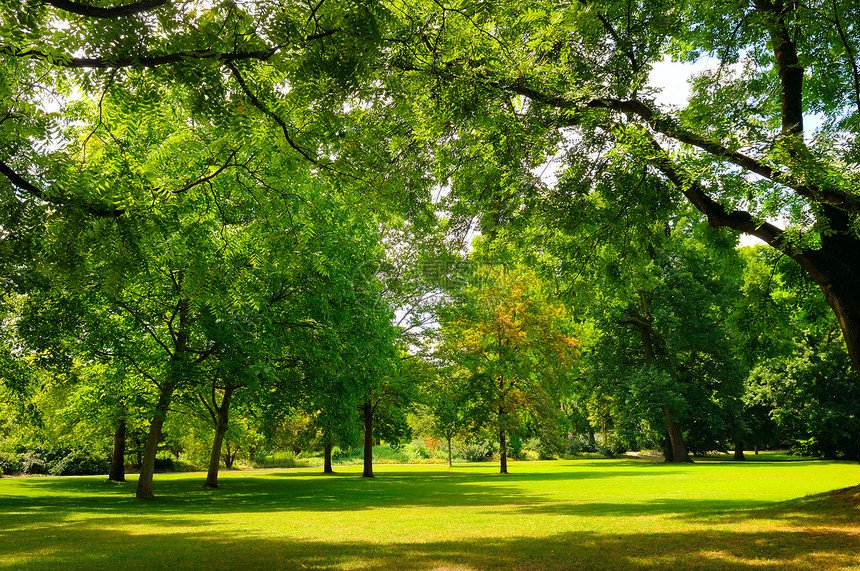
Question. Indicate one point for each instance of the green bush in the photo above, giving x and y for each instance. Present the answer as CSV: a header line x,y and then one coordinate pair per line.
x,y
78,463
9,463
168,464
416,450
33,462
475,451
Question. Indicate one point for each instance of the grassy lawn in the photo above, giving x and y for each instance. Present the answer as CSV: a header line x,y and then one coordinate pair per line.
x,y
605,514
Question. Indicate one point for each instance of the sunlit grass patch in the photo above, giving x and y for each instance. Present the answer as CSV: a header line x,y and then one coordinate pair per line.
x,y
608,514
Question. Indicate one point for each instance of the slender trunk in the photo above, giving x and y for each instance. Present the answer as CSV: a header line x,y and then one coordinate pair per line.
x,y
755,449
367,408
679,448
503,452
147,468
221,415
450,456
327,468
117,461
739,451
215,456
230,456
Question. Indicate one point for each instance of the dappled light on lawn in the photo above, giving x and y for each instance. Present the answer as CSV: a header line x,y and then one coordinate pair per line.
x,y
613,514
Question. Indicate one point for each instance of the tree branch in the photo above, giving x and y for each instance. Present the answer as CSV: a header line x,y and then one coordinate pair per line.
x,y
209,177
255,101
99,12
666,126
19,182
111,62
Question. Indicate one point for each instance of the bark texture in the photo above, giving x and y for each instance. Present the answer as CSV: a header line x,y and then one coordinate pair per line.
x,y
676,439
117,461
327,467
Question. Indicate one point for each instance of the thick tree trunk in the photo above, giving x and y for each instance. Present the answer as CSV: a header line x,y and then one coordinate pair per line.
x,y
147,468
739,451
668,455
215,457
843,295
450,453
117,461
367,409
503,452
679,448
327,468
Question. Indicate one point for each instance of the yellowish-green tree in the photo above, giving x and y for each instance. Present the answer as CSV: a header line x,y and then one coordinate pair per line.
x,y
516,342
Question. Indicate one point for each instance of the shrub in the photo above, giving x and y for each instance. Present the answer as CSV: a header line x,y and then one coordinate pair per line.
x,y
476,451
416,450
78,463
578,444
9,463
32,462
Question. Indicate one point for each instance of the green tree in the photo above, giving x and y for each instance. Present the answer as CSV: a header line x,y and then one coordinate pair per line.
x,y
516,343
504,87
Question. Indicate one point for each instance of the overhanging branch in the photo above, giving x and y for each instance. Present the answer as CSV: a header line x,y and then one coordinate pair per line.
x,y
111,62
99,12
19,182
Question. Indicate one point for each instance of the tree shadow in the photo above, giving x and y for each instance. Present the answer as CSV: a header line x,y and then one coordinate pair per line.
x,y
56,522
789,548
290,490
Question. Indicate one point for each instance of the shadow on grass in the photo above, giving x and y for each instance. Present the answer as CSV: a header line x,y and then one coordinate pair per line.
x,y
818,545
86,523
288,490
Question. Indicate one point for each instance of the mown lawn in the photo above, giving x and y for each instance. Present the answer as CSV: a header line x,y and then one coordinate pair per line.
x,y
604,514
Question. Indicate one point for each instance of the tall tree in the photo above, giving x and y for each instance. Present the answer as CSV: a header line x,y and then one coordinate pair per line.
x,y
570,81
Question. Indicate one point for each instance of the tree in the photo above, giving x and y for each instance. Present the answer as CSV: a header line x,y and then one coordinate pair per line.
x,y
665,356
799,387
516,343
570,81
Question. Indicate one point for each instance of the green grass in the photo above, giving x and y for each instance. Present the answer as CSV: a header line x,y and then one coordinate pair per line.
x,y
606,514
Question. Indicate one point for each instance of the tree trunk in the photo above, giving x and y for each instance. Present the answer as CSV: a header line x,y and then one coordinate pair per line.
x,y
368,439
503,452
843,296
229,457
679,448
215,457
176,373
450,454
221,416
327,468
668,455
147,468
739,451
117,461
